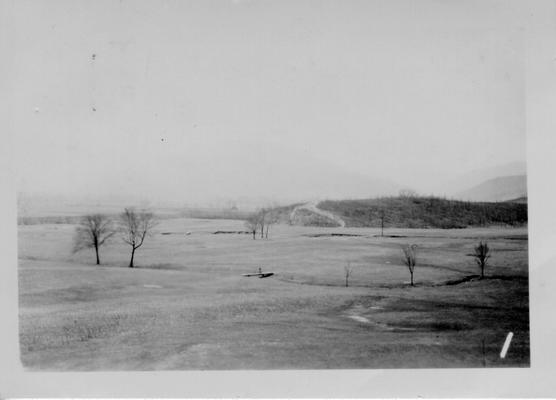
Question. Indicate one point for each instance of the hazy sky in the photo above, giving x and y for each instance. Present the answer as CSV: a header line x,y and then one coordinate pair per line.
x,y
410,91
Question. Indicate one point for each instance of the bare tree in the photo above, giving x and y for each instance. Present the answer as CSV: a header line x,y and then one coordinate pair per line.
x,y
348,271
270,219
262,218
252,224
410,258
482,254
92,232
136,225
407,193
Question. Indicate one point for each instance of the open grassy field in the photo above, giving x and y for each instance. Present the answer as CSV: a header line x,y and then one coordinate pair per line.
x,y
187,306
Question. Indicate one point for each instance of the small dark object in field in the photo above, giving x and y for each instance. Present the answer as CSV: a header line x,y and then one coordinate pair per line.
x,y
436,326
462,280
260,274
517,237
391,236
333,235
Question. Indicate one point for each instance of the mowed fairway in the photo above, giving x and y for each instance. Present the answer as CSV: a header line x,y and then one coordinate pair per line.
x,y
187,306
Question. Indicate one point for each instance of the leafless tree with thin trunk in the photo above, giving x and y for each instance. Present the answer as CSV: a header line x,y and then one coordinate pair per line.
x,y
92,232
407,193
270,219
348,271
252,224
482,254
136,226
268,223
410,259
262,217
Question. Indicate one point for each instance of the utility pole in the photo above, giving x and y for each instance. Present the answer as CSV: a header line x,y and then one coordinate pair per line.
x,y
381,214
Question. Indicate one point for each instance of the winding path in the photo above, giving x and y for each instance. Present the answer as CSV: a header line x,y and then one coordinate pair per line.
x,y
312,206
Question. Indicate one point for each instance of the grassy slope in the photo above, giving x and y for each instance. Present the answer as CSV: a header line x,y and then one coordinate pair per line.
x,y
189,307
426,212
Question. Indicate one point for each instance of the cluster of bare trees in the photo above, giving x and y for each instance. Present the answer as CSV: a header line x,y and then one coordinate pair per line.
x,y
95,230
260,222
481,255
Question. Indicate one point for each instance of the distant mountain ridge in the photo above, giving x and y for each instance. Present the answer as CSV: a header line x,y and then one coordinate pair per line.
x,y
464,182
503,188
273,174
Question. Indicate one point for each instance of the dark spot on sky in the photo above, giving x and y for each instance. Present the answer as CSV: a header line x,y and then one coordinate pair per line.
x,y
162,140
94,109
94,56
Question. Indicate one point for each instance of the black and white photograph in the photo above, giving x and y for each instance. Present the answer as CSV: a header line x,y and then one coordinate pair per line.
x,y
261,185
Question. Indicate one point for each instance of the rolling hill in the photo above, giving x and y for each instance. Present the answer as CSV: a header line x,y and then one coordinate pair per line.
x,y
406,212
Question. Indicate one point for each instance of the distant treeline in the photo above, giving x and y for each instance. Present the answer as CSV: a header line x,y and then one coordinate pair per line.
x,y
425,212
202,213
48,220
215,213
